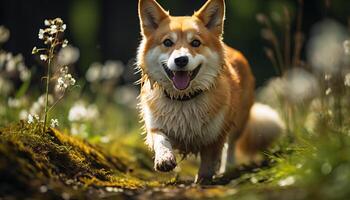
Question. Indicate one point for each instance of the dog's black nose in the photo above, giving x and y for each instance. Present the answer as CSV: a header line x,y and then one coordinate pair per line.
x,y
181,61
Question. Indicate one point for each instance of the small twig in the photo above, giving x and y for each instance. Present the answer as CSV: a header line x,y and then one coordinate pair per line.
x,y
270,54
274,41
287,40
56,102
61,97
47,86
298,37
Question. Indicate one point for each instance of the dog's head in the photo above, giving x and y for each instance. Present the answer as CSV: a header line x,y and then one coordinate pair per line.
x,y
181,54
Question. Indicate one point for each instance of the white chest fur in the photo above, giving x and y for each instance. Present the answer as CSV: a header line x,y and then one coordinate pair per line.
x,y
186,123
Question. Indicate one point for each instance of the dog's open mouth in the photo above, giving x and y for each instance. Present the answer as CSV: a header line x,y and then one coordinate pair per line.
x,y
181,79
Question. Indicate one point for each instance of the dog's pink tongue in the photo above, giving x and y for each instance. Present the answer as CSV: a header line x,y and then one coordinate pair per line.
x,y
181,79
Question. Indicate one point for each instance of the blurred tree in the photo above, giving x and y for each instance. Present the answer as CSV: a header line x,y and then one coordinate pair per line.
x,y
84,22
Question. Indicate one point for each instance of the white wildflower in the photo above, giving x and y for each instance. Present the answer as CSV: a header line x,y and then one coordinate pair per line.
x,y
92,112
5,86
327,77
112,69
79,112
347,80
43,189
254,180
68,55
324,51
105,139
23,114
53,29
346,46
38,106
32,118
14,64
290,180
41,34
47,22
58,20
64,43
113,189
54,123
10,63
64,70
9,56
60,83
296,86
65,81
41,99
18,58
94,72
50,35
301,86
43,57
50,39
4,34
328,91
79,129
66,196
14,103
126,95
24,74
11,66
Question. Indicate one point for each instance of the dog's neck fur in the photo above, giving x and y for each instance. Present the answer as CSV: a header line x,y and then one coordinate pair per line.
x,y
184,98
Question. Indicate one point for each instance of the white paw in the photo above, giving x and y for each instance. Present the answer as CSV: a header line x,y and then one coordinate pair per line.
x,y
164,161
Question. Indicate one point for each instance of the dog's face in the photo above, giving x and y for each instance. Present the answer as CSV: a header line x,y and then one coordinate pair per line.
x,y
181,54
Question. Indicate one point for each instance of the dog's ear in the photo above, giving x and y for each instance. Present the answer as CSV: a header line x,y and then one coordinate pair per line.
x,y
151,14
212,14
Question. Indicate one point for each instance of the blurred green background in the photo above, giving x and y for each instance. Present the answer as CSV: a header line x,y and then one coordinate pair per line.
x,y
109,29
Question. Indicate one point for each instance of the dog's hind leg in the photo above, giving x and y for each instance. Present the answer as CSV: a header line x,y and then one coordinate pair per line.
x,y
228,158
231,159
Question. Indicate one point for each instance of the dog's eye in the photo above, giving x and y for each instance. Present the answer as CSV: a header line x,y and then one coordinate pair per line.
x,y
168,43
196,43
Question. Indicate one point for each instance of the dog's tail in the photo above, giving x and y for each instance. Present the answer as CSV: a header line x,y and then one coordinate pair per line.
x,y
263,127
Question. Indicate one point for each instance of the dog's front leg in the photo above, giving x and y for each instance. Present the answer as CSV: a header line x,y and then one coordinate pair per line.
x,y
210,163
164,158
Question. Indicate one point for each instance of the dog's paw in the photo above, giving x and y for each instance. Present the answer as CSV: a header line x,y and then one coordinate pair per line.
x,y
165,161
200,180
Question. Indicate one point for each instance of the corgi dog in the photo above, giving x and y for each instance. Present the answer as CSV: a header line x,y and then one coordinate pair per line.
x,y
197,93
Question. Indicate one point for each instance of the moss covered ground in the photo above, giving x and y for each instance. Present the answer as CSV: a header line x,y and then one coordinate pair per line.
x,y
55,165
52,164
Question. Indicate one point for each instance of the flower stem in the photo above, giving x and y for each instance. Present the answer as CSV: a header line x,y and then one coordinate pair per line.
x,y
47,88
